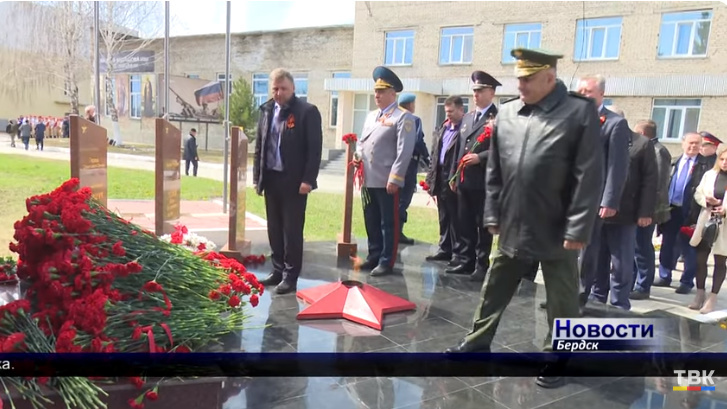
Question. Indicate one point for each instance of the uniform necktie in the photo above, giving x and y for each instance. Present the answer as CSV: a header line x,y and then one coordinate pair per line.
x,y
478,116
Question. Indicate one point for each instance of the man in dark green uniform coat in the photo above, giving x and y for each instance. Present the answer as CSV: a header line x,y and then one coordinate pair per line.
x,y
544,177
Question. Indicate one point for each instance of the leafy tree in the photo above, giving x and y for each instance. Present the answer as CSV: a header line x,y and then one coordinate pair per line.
x,y
243,111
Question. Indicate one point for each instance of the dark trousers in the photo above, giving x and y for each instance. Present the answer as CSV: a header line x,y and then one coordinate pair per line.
x,y
674,244
39,143
407,192
381,216
561,290
615,270
588,261
194,164
644,259
285,211
476,239
447,211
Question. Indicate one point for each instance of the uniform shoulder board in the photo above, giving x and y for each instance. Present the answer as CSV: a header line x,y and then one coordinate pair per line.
x,y
509,100
578,95
403,109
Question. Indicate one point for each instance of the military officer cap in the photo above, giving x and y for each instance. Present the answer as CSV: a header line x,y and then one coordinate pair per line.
x,y
531,61
481,79
709,138
385,78
407,98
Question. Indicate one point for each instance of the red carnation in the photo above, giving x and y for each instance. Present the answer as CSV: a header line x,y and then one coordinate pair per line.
x,y
234,301
152,395
424,185
687,231
137,382
118,250
214,295
349,138
254,300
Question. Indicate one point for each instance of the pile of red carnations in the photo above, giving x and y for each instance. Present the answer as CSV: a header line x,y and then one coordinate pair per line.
x,y
93,282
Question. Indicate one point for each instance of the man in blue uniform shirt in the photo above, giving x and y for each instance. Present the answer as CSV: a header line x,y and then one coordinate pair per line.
x,y
420,155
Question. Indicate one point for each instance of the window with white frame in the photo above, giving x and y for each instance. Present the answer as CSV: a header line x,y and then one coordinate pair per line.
x,y
675,117
135,96
301,86
684,34
607,102
362,105
221,78
260,88
399,47
111,88
333,117
441,115
525,35
455,46
598,39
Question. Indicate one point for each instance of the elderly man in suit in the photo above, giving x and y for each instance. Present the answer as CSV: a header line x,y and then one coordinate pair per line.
x,y
407,101
618,240
472,150
645,259
287,159
615,137
444,162
384,150
686,173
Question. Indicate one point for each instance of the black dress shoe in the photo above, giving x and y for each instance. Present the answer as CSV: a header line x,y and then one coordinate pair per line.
x,y
660,282
460,269
405,240
478,275
440,256
550,382
273,278
683,289
368,265
381,270
453,263
639,295
285,287
463,346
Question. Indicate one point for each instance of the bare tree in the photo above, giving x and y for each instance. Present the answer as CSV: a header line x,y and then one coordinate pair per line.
x,y
52,48
126,28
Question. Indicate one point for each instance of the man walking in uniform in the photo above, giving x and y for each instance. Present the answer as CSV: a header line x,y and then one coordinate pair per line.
x,y
547,131
472,151
440,171
384,150
408,102
287,159
615,137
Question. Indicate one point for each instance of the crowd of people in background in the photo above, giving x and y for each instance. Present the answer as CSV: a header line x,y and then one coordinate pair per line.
x,y
37,127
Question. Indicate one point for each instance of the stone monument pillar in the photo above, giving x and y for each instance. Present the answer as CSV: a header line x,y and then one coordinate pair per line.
x,y
88,156
237,246
167,177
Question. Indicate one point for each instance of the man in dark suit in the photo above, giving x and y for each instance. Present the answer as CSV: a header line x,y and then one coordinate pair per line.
x,y
645,260
686,173
618,239
287,159
408,102
710,143
190,153
615,136
472,150
443,164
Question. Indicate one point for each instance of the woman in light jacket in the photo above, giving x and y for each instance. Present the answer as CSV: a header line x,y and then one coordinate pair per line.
x,y
710,195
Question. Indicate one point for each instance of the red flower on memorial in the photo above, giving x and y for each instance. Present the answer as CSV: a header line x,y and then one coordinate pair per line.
x,y
349,138
424,185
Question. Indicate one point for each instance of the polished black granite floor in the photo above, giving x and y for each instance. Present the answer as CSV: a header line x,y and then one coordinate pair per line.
x,y
444,312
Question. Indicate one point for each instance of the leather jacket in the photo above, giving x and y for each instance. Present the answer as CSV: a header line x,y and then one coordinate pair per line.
x,y
544,175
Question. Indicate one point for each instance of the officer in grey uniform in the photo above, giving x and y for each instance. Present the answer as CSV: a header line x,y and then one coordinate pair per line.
x,y
384,150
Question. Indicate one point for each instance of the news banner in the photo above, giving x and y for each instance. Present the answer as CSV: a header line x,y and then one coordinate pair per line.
x,y
598,347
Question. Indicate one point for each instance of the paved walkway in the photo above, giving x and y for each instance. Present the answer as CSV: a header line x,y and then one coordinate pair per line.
x,y
197,216
327,183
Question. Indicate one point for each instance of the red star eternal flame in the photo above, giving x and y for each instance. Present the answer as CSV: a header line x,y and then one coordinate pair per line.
x,y
351,300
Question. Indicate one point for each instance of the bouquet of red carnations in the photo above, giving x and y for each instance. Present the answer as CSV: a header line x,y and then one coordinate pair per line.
x,y
93,282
